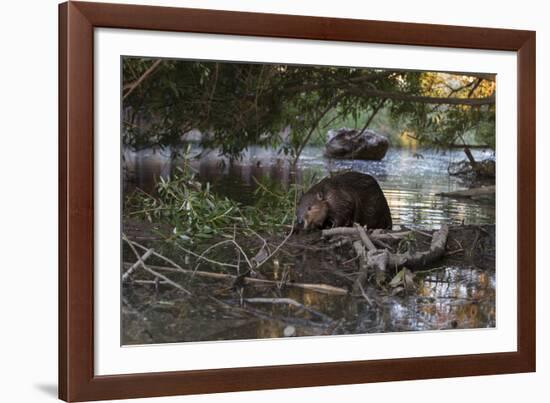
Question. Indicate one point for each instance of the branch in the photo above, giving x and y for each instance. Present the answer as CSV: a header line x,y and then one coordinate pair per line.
x,y
374,113
437,249
403,96
133,85
474,192
150,270
315,124
353,231
472,90
365,238
321,288
143,258
287,301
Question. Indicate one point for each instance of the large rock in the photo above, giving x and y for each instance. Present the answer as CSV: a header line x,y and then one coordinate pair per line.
x,y
352,144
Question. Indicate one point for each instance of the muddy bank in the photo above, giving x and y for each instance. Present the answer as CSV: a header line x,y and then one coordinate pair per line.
x,y
302,288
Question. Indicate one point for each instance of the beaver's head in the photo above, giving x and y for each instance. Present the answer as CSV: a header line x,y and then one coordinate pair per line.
x,y
312,211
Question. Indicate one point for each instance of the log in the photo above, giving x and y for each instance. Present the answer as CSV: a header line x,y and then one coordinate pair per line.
x,y
420,259
474,192
380,259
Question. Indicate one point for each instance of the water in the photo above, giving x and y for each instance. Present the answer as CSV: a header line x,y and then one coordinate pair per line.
x,y
410,178
458,295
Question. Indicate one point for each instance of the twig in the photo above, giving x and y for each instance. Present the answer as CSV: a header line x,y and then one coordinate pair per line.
x,y
250,266
143,258
381,244
153,272
374,112
363,266
369,301
453,252
259,264
422,233
132,86
431,270
201,256
364,238
205,258
153,282
288,301
321,288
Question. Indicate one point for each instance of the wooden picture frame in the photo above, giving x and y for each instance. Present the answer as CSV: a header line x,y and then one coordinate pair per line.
x,y
77,21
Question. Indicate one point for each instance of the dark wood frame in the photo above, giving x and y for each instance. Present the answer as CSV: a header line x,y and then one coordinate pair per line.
x,y
77,381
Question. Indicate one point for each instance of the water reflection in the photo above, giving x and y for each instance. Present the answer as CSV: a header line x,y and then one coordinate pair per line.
x,y
410,179
448,297
452,298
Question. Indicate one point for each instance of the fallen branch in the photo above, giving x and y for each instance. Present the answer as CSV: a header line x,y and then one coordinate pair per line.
x,y
321,288
419,259
143,258
379,260
475,192
350,231
365,238
151,282
287,301
364,294
150,270
363,267
270,317
201,257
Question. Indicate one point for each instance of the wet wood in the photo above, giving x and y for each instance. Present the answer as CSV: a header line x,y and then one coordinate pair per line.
x,y
144,257
287,301
365,238
375,235
474,192
421,259
321,288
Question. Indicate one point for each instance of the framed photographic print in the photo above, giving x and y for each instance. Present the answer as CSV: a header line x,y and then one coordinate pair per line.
x,y
254,201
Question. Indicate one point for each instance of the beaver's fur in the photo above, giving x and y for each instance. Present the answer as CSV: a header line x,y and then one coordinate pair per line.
x,y
342,200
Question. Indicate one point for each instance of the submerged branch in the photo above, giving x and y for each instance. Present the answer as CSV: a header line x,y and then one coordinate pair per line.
x,y
287,301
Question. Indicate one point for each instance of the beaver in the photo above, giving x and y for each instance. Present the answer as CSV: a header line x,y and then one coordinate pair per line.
x,y
342,200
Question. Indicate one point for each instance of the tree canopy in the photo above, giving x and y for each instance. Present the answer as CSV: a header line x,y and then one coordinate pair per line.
x,y
239,104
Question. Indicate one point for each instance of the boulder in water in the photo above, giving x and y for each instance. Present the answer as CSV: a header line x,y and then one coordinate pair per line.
x,y
352,144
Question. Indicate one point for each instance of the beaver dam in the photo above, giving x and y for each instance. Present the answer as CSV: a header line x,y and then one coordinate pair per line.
x,y
247,281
